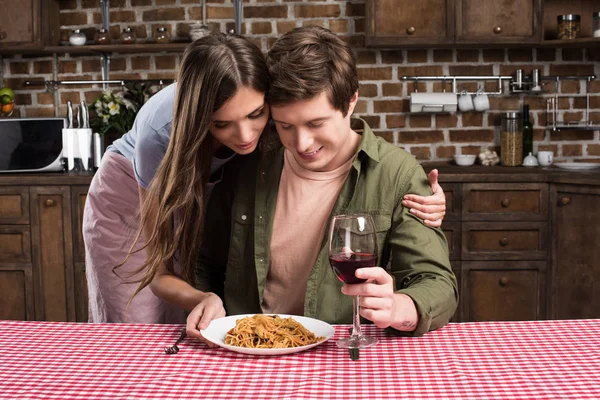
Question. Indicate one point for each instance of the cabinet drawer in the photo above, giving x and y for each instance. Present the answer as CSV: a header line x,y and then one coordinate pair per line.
x,y
15,244
499,291
453,201
505,201
452,232
504,240
14,205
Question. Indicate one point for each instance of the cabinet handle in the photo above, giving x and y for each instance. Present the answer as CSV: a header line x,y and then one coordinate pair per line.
x,y
497,30
411,30
503,241
564,200
49,203
505,203
503,281
2,35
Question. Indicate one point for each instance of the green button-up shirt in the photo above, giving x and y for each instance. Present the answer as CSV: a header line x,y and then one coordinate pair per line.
x,y
239,223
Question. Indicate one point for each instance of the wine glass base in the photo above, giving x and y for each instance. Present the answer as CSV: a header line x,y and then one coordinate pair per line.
x,y
357,342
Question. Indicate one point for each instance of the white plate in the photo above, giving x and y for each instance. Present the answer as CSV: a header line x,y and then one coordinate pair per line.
x,y
218,328
577,165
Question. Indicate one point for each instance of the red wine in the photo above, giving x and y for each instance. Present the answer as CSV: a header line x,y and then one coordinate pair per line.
x,y
345,266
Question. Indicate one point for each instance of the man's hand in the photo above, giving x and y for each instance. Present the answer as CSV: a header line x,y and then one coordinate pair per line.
x,y
378,302
430,209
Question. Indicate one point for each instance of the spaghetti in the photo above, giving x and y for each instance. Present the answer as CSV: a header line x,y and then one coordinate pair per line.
x,y
269,332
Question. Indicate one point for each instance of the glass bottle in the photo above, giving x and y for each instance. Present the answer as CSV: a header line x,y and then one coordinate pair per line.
x,y
527,132
162,35
511,149
128,36
102,36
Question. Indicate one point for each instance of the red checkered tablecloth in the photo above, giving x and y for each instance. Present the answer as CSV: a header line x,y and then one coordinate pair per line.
x,y
489,360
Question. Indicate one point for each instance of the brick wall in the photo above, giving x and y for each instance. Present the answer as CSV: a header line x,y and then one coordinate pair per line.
x,y
384,98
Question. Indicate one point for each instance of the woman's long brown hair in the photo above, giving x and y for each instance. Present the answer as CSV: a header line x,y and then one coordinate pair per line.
x,y
212,70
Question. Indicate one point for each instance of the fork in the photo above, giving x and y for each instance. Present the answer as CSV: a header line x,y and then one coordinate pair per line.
x,y
175,349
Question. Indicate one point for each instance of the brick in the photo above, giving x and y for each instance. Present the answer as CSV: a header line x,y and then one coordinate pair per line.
x,y
182,30
23,99
374,121
164,2
595,86
367,90
171,14
419,121
390,106
571,135
467,55
313,22
165,62
92,95
593,54
445,55
92,65
392,57
140,63
520,55
535,102
494,55
19,68
446,120
317,11
472,119
415,86
219,13
73,97
416,56
338,25
355,41
42,67
420,136
359,25
126,75
421,153
285,26
229,26
547,147
504,103
118,64
593,149
441,86
264,12
467,86
445,151
426,70
392,89
572,117
122,16
472,150
572,54
45,98
572,69
39,112
594,101
70,4
539,134
261,28
471,135
366,57
386,135
374,74
471,70
73,18
395,121
572,150
67,67
570,87
355,9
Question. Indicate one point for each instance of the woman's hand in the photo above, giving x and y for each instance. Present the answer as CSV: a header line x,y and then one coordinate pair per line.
x,y
378,302
211,307
430,209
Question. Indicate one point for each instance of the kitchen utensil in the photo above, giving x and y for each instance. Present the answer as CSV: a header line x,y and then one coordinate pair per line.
x,y
545,158
98,149
175,349
481,102
465,159
465,102
530,161
84,138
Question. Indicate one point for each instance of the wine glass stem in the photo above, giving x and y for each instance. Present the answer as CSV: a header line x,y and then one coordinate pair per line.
x,y
355,317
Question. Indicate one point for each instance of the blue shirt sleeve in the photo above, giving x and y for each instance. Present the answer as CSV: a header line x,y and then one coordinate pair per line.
x,y
150,149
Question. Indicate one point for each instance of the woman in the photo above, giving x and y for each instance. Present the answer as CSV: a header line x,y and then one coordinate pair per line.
x,y
166,166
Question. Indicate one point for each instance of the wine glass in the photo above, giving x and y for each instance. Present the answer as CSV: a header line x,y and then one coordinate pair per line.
x,y
353,245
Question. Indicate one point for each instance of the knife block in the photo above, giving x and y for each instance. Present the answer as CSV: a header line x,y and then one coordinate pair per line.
x,y
77,149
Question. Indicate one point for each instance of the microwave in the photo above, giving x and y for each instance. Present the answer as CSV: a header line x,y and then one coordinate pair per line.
x,y
31,144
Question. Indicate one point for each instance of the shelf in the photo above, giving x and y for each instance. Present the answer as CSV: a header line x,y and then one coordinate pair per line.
x,y
580,42
98,49
573,127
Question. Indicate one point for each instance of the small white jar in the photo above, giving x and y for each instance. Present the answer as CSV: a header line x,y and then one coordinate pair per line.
x,y
77,38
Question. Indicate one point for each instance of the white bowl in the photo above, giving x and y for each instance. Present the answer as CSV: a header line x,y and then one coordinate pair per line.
x,y
465,159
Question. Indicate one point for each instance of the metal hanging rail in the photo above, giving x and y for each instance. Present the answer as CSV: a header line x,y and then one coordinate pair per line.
x,y
52,85
454,79
552,106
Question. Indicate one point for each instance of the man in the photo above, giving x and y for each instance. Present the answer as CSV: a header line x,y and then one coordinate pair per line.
x,y
273,254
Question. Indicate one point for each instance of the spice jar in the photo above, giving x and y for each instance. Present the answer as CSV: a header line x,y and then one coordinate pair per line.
x,y
569,26
511,148
162,35
128,36
102,36
77,38
596,24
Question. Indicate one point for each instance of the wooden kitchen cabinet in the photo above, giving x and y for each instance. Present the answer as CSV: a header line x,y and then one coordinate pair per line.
x,y
29,24
78,197
576,251
400,22
492,21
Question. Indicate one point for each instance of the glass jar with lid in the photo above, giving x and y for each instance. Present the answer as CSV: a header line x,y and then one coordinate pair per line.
x,y
569,26
77,38
161,35
128,36
596,24
511,148
102,36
